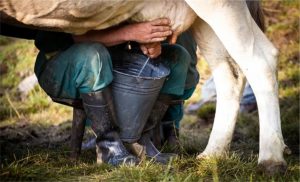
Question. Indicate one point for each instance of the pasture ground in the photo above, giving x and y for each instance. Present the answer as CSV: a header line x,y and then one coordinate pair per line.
x,y
34,132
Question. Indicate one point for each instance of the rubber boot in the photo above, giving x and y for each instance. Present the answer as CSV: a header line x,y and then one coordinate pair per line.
x,y
171,136
100,110
150,151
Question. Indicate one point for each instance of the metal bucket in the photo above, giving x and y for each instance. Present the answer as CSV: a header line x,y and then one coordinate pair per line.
x,y
135,92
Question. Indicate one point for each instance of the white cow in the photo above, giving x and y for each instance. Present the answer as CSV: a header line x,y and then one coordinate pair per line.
x,y
227,36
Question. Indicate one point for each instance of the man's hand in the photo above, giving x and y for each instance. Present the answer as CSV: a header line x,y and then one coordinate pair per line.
x,y
152,50
147,32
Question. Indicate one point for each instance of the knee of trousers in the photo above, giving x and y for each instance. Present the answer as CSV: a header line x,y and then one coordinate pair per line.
x,y
95,55
179,59
96,68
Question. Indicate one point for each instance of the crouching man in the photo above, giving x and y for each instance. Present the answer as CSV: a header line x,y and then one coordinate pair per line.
x,y
80,67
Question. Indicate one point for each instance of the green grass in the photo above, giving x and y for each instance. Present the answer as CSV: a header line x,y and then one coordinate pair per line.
x,y
54,165
34,132
18,56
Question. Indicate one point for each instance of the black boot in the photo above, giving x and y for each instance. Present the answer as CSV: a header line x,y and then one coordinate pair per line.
x,y
100,110
171,136
151,151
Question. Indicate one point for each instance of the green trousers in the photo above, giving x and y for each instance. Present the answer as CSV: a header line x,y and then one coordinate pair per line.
x,y
82,68
175,112
87,67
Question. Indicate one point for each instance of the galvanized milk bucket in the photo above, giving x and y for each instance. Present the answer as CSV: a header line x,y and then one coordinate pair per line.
x,y
136,86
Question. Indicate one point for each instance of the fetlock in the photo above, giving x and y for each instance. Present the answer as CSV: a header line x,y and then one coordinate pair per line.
x,y
109,148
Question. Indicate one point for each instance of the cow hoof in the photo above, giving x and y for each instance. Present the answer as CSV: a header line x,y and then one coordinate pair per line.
x,y
203,156
271,168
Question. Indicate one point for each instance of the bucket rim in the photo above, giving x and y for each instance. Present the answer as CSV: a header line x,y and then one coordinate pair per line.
x,y
144,77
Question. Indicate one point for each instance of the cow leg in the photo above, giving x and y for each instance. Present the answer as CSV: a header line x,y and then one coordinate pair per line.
x,y
256,56
229,82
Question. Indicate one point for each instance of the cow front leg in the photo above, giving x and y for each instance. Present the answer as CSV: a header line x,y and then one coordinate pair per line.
x,y
229,81
257,57
229,85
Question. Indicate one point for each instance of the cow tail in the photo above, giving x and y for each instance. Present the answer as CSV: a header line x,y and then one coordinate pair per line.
x,y
256,12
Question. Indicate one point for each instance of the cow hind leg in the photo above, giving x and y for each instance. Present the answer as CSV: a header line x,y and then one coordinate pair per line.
x,y
257,58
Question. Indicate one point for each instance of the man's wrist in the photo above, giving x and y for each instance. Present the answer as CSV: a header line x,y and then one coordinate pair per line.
x,y
126,33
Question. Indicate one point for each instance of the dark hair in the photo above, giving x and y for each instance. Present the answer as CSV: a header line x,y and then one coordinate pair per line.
x,y
256,12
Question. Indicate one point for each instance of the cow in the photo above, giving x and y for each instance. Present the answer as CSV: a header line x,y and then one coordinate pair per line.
x,y
227,36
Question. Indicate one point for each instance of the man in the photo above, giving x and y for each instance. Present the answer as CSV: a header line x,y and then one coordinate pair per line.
x,y
80,67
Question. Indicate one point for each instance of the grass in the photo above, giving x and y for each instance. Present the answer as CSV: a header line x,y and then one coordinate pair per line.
x,y
34,132
53,165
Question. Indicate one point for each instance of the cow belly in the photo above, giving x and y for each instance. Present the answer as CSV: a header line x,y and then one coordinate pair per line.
x,y
81,15
71,16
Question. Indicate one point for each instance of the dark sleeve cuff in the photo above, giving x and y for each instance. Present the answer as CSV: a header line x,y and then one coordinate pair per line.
x,y
53,41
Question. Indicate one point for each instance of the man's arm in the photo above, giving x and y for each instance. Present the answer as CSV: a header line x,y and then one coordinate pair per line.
x,y
146,32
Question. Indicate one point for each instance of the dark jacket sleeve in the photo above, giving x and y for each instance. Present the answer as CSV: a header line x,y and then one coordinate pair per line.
x,y
16,31
48,41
